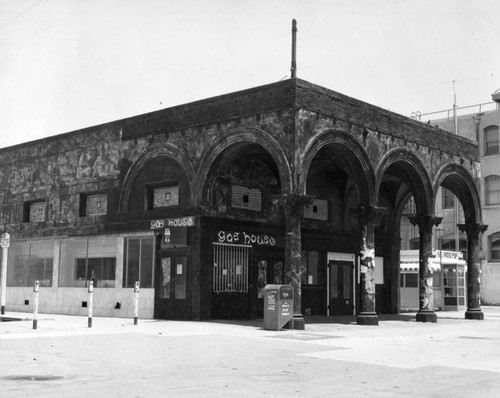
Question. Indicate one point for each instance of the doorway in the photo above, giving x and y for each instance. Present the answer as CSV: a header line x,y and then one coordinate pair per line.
x,y
171,286
340,276
267,270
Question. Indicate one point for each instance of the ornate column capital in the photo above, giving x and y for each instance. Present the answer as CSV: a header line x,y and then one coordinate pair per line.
x,y
425,223
370,215
292,203
472,229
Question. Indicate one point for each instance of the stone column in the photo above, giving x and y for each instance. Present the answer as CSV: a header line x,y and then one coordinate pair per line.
x,y
293,204
473,269
425,224
369,217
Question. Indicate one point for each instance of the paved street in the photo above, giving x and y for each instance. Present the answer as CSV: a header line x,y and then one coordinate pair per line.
x,y
63,357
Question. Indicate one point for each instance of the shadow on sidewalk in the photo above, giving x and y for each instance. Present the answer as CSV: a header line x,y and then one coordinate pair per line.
x,y
344,320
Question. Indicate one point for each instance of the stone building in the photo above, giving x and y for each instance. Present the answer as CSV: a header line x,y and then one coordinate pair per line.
x,y
206,203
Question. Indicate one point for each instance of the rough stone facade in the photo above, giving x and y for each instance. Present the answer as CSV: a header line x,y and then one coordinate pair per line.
x,y
286,138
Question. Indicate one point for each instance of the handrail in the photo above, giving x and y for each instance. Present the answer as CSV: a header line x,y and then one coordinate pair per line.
x,y
418,115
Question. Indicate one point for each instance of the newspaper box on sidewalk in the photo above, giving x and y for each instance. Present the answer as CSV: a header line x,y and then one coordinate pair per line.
x,y
278,306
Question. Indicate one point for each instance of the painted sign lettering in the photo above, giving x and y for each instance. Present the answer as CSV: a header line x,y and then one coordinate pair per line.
x,y
173,222
245,238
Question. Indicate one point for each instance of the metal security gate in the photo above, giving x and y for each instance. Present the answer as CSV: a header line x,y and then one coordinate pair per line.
x,y
230,268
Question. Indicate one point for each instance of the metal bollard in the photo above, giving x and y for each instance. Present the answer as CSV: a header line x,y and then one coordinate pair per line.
x,y
35,304
136,302
91,302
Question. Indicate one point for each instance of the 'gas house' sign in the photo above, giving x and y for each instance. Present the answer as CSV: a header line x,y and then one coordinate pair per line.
x,y
245,238
173,222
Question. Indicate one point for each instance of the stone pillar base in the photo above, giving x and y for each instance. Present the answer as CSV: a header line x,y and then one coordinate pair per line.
x,y
474,314
370,319
296,323
426,316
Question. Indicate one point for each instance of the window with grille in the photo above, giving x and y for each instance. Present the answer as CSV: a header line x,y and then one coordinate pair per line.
x,y
246,198
230,268
318,210
492,190
491,138
94,204
35,211
166,196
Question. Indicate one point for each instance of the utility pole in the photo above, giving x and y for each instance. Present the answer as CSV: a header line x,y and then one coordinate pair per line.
x,y
455,199
293,70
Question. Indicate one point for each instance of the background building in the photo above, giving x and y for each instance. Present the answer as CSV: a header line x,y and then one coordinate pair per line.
x,y
479,123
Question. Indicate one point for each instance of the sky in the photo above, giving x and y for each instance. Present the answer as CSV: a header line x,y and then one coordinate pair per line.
x,y
70,64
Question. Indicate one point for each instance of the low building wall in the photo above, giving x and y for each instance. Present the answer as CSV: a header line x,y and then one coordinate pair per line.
x,y
68,301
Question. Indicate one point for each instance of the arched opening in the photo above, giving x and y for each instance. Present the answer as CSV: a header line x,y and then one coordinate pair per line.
x,y
405,188
243,231
337,173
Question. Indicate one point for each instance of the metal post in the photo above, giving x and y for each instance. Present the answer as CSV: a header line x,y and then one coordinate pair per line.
x,y
5,242
35,304
136,302
293,69
90,303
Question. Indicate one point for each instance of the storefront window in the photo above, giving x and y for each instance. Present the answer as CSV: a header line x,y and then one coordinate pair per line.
x,y
139,261
87,259
29,262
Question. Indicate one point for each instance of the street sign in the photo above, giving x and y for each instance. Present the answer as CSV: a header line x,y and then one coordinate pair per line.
x,y
5,240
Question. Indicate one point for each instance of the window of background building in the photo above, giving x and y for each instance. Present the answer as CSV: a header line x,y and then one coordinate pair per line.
x,y
138,261
83,259
492,190
494,244
448,199
318,210
29,262
491,139
246,198
310,265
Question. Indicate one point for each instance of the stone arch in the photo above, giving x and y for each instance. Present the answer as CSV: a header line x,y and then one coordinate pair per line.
x,y
238,138
157,150
350,151
410,170
458,180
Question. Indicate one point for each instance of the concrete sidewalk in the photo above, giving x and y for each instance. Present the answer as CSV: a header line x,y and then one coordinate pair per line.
x,y
332,357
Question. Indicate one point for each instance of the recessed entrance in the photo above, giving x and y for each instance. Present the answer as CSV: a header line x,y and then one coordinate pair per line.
x,y
340,275
171,286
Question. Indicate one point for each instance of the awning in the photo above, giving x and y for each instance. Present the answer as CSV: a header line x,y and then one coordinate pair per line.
x,y
413,267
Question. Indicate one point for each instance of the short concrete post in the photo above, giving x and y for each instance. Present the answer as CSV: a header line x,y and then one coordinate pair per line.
x,y
35,304
136,302
91,302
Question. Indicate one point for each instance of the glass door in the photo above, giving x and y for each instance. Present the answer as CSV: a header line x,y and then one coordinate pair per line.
x,y
171,287
454,286
340,288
